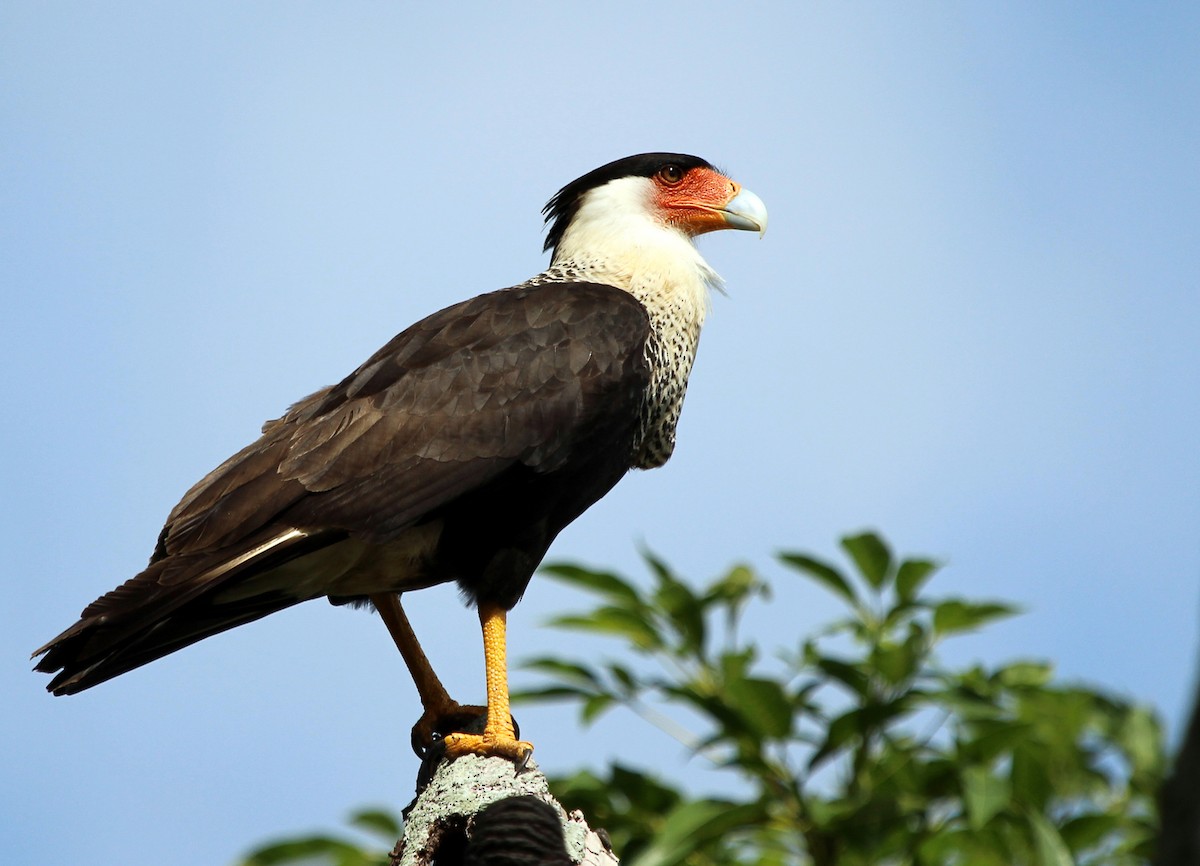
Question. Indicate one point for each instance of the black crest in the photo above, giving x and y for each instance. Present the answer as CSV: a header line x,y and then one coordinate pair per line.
x,y
561,209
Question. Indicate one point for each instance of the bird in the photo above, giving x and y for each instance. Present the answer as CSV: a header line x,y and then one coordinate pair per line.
x,y
455,453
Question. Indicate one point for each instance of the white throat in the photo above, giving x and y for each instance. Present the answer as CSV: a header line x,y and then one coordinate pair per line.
x,y
617,238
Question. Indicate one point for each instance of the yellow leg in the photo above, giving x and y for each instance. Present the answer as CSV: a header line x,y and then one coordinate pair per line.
x,y
442,713
498,739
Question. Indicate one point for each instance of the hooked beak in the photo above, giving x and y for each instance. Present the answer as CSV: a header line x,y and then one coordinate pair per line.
x,y
745,212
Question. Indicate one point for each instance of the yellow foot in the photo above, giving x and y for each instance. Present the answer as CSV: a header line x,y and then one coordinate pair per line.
x,y
437,724
489,746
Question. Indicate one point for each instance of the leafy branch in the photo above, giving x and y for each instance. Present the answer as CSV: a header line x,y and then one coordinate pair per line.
x,y
862,747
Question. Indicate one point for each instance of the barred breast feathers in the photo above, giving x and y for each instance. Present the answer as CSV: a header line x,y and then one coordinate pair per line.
x,y
670,278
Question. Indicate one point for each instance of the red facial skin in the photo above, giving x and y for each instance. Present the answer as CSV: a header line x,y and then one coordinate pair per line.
x,y
694,200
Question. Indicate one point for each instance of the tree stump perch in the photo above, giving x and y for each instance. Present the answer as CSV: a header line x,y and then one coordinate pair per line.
x,y
484,812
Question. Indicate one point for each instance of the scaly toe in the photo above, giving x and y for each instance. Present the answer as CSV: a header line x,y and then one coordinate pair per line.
x,y
517,751
437,724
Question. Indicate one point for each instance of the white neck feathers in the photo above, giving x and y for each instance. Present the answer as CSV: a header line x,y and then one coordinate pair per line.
x,y
617,237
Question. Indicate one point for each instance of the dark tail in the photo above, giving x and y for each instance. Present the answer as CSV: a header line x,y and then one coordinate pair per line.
x,y
173,603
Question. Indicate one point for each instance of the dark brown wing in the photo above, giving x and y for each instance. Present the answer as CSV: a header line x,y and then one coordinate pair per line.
x,y
445,406
527,381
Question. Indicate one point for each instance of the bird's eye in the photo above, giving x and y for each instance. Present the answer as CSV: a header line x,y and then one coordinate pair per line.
x,y
670,174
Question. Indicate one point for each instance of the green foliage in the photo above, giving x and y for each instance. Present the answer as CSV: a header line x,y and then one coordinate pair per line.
x,y
650,821
328,850
858,744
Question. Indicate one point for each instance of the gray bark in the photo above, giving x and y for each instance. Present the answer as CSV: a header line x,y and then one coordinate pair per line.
x,y
460,789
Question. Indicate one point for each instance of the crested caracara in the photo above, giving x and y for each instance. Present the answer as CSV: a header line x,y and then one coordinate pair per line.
x,y
457,452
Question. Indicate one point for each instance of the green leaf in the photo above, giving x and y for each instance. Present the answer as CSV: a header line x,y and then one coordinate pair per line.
x,y
736,665
313,851
841,732
822,572
895,662
614,621
957,615
1141,839
1025,674
380,822
735,586
549,693
986,740
658,566
1088,831
604,583
696,826
763,704
1141,737
1030,776
684,613
624,678
985,794
643,790
912,575
593,707
568,672
871,555
846,673
1050,847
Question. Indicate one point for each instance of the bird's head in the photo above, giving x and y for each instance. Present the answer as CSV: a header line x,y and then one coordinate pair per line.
x,y
652,195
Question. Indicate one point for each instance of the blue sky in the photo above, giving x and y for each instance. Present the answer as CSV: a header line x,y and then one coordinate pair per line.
x,y
973,325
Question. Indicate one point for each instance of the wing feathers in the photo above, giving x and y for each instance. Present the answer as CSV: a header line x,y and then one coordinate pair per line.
x,y
512,382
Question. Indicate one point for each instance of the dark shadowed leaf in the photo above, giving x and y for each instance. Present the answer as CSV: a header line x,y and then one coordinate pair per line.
x,y
763,704
842,732
1087,831
696,826
986,740
643,789
1031,783
848,674
871,555
624,678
